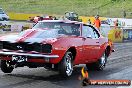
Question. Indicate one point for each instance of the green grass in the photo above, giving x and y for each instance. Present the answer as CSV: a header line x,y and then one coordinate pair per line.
x,y
59,7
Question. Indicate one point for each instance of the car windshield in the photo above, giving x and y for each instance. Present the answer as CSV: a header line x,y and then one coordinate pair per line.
x,y
1,11
62,28
53,33
47,34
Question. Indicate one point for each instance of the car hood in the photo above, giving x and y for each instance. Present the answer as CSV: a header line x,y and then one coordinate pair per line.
x,y
15,38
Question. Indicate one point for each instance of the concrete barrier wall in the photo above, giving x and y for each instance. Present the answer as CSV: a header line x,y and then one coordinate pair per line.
x,y
120,35
127,34
91,19
25,16
15,27
116,35
21,16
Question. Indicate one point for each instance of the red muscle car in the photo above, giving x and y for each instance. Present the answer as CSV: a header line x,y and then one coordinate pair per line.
x,y
57,45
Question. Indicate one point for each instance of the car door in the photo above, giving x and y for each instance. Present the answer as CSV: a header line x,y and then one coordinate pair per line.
x,y
96,43
91,43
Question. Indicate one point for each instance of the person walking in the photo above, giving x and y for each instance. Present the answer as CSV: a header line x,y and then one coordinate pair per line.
x,y
97,22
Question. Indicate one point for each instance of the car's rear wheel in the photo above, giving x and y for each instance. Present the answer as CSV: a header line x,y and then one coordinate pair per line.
x,y
100,64
6,66
66,65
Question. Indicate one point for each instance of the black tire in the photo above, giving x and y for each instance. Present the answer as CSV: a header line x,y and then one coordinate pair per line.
x,y
99,65
66,65
6,66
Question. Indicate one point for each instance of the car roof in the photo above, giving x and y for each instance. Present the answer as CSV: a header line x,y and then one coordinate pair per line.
x,y
64,21
67,21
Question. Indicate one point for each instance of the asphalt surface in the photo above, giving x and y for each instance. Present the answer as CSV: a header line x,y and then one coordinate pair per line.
x,y
119,66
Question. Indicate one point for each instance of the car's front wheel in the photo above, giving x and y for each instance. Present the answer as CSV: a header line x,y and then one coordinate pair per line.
x,y
6,66
66,65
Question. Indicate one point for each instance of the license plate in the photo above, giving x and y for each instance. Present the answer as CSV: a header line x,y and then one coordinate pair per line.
x,y
19,58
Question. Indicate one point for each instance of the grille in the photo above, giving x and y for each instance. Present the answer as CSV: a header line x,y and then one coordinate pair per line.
x,y
46,48
43,48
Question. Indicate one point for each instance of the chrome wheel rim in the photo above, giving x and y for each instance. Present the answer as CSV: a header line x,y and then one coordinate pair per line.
x,y
102,61
69,67
8,64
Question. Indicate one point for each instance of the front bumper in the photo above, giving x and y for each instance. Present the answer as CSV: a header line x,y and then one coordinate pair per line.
x,y
30,55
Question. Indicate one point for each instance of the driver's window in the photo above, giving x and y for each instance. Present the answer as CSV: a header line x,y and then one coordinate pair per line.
x,y
86,32
94,32
89,32
96,35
